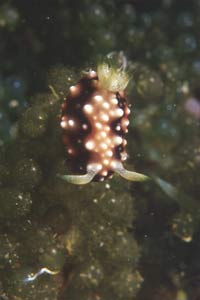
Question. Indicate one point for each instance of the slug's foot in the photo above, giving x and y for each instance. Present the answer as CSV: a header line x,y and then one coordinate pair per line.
x,y
78,179
94,169
129,175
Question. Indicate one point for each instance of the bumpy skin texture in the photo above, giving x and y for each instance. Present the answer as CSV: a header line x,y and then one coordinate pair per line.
x,y
94,122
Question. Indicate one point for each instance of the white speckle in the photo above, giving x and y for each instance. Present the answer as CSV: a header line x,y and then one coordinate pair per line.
x,y
117,140
105,173
118,127
114,101
128,111
104,117
126,122
90,145
109,153
98,98
106,162
108,141
88,108
119,112
70,151
72,88
103,146
106,105
71,123
98,137
103,134
84,126
107,128
63,124
98,125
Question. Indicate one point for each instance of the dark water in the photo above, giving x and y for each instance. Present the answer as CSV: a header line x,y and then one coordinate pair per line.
x,y
116,239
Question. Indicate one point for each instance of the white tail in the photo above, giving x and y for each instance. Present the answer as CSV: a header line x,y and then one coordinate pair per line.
x,y
92,170
129,175
79,179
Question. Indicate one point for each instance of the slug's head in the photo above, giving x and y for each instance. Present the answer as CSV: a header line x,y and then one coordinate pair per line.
x,y
112,72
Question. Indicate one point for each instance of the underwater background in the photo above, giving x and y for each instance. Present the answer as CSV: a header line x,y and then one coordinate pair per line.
x,y
115,240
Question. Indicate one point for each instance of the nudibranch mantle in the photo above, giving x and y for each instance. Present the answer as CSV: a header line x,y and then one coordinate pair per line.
x,y
94,120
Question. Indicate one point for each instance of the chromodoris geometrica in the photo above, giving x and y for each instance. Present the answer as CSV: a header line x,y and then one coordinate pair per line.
x,y
94,120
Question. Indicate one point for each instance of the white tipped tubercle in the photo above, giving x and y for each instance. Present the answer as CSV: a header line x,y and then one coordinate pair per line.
x,y
71,123
129,175
90,145
88,108
98,98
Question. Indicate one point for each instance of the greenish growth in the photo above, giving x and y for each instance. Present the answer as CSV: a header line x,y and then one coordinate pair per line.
x,y
31,117
184,225
46,287
4,174
9,16
132,283
79,232
14,203
149,85
8,252
26,174
61,78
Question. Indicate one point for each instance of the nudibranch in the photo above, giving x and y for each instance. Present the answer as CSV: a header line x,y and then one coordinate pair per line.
x,y
94,120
